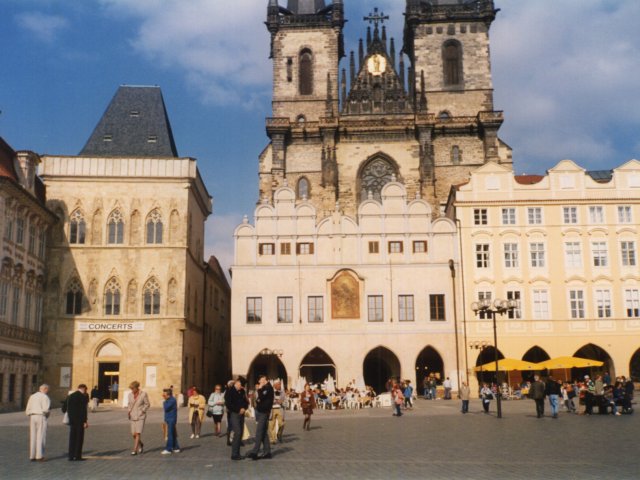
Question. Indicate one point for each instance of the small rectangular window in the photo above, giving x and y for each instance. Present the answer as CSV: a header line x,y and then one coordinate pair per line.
x,y
509,216
316,310
511,257
540,304
405,308
152,139
420,246
534,215
482,296
628,253
632,302
624,214
254,310
480,216
537,255
304,248
516,313
107,138
20,231
596,214
603,303
482,255
375,308
285,309
266,248
285,249
600,254
570,215
395,247
374,247
576,303
134,113
436,308
573,255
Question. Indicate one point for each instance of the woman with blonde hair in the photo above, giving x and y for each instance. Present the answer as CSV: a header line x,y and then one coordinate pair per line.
x,y
197,405
138,404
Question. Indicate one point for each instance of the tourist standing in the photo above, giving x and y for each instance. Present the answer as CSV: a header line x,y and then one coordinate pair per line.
x,y
408,394
75,406
447,388
237,404
536,392
552,390
487,395
589,390
398,399
197,404
37,410
433,387
568,394
264,403
216,408
138,403
464,394
308,403
95,398
276,424
114,391
170,407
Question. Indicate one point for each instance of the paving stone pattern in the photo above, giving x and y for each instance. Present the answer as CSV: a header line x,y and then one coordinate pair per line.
x,y
433,441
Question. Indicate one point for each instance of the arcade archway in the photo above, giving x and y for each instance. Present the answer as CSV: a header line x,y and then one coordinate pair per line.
x,y
485,356
429,362
316,366
634,366
268,364
593,352
379,366
535,354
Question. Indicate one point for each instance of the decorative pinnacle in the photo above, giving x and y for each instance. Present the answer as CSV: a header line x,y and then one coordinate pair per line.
x,y
376,17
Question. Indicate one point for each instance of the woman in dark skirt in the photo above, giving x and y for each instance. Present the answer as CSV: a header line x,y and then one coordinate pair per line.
x,y
308,403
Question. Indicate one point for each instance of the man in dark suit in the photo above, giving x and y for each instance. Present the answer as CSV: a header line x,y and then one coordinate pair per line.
x,y
76,408
236,402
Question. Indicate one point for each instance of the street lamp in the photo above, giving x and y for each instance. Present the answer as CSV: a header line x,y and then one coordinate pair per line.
x,y
499,307
482,346
267,351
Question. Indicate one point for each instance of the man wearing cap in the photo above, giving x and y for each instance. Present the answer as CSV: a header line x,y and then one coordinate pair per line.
x,y
37,410
75,406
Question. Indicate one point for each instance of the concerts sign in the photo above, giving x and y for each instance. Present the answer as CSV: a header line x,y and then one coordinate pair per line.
x,y
110,326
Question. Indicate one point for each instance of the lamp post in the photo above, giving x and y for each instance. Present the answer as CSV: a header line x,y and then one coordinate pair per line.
x,y
482,346
498,307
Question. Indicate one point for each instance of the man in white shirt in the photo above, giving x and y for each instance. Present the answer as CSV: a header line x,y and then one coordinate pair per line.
x,y
37,410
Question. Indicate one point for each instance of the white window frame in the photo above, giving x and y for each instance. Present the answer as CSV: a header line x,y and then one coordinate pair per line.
x,y
599,254
511,255
516,313
632,302
540,303
628,253
534,215
406,308
625,214
576,304
570,215
483,256
602,297
596,214
573,254
480,216
509,216
537,254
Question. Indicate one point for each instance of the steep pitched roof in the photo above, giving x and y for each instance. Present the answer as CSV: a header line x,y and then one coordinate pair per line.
x,y
7,155
305,7
135,124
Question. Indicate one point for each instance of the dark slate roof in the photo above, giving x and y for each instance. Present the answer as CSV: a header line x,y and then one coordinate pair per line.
x,y
7,155
305,7
601,176
135,124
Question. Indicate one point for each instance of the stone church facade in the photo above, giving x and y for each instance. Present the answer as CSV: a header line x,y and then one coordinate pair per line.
x,y
363,151
128,292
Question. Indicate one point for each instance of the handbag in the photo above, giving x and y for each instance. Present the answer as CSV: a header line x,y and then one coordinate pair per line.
x,y
209,413
65,418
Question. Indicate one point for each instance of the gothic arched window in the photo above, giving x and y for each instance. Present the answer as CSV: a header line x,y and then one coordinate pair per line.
x,y
115,225
456,154
77,228
452,62
305,72
154,227
74,298
303,188
152,297
112,298
375,175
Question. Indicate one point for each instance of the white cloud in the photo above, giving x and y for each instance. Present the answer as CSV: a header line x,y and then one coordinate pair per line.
x,y
223,47
566,75
42,26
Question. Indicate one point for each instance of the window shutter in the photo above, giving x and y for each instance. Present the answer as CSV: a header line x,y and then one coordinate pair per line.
x,y
311,248
297,249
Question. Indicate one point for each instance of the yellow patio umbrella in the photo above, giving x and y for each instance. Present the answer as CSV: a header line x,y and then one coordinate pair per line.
x,y
507,365
568,362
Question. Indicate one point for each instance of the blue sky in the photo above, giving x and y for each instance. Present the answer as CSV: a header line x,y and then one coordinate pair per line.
x,y
565,73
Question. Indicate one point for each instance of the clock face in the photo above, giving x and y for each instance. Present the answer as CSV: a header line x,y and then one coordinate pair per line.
x,y
376,65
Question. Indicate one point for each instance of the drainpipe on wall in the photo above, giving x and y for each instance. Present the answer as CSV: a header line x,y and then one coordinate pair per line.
x,y
452,268
204,320
464,302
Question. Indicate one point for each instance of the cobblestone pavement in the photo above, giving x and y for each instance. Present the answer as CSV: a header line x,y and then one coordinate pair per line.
x,y
432,441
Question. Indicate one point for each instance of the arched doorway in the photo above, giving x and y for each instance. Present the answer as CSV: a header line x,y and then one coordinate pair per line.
x,y
634,366
593,352
108,359
379,366
316,366
485,356
534,355
269,364
429,362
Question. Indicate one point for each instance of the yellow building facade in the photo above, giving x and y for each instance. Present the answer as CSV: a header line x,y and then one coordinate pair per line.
x,y
564,246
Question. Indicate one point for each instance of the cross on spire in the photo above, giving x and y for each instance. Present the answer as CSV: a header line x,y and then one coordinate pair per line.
x,y
376,17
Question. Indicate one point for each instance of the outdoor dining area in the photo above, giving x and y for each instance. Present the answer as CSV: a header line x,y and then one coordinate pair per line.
x,y
561,368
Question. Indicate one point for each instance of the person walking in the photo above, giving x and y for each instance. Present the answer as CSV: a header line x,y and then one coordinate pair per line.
x,y
276,424
307,403
75,406
398,399
114,391
568,394
236,403
138,405
170,407
216,408
447,388
552,391
95,398
464,394
487,395
536,392
264,403
408,394
230,385
37,410
197,404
